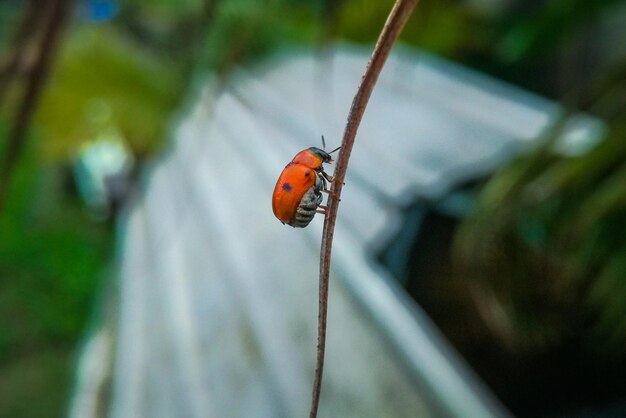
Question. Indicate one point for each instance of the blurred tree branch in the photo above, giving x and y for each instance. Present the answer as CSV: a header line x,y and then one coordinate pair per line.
x,y
42,44
15,63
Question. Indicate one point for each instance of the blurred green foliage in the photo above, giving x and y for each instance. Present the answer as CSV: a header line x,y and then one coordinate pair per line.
x,y
51,260
36,385
542,263
546,25
439,26
555,224
542,257
554,250
132,91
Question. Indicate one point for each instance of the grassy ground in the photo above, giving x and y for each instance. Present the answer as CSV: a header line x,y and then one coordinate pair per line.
x,y
37,384
51,259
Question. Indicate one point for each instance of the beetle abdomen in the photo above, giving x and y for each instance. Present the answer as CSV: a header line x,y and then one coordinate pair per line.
x,y
309,203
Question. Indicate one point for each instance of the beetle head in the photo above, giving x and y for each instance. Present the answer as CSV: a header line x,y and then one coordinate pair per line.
x,y
314,157
323,155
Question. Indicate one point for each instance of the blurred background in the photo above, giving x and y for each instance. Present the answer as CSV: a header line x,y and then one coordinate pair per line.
x,y
535,263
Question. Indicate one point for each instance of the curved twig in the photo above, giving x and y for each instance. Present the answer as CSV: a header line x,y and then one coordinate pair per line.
x,y
395,22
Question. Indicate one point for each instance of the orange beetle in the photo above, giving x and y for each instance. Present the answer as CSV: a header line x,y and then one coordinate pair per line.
x,y
298,192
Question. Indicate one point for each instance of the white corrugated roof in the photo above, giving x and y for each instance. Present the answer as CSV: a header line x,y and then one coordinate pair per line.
x,y
218,300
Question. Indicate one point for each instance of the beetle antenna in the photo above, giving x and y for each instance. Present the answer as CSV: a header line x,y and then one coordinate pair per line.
x,y
324,146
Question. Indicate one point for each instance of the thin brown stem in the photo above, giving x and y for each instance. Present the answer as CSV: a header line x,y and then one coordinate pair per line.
x,y
398,17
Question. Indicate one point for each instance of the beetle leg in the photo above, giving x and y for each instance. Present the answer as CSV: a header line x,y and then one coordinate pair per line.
x,y
333,179
333,194
323,212
326,176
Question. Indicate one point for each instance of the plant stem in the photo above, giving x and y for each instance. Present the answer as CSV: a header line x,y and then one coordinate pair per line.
x,y
398,17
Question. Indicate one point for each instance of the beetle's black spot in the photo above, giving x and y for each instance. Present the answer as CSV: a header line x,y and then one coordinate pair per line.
x,y
286,187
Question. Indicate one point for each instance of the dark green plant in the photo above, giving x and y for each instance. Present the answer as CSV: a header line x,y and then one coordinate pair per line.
x,y
544,251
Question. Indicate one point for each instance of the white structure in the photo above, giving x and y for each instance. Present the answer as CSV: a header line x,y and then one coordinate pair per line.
x,y
217,303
